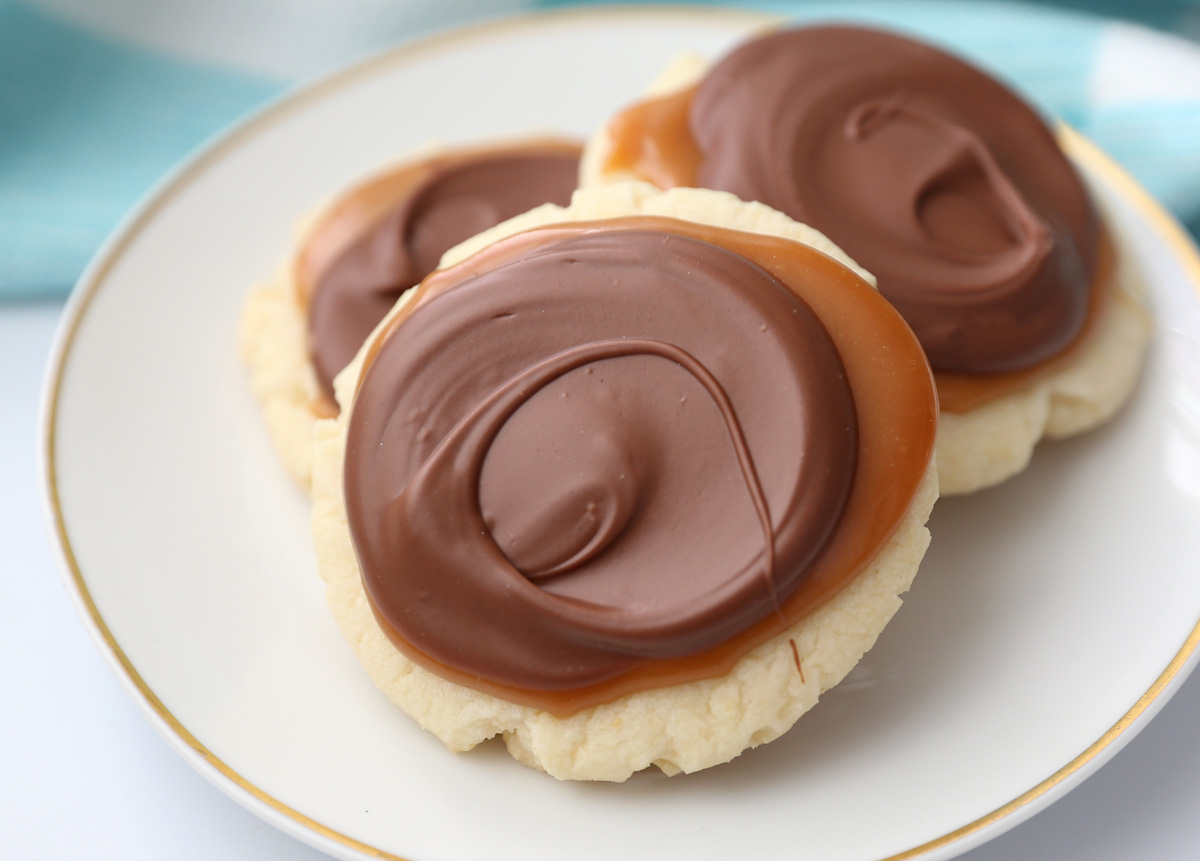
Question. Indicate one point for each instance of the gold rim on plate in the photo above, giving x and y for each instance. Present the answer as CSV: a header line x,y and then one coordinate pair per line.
x,y
1083,152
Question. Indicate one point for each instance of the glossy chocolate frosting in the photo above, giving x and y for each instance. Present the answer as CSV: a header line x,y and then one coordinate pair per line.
x,y
437,204
929,173
614,420
617,446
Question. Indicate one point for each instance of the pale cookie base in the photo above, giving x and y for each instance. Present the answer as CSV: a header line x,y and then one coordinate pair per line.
x,y
272,341
990,444
682,728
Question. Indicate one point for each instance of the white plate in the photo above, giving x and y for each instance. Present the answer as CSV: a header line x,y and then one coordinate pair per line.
x,y
1052,617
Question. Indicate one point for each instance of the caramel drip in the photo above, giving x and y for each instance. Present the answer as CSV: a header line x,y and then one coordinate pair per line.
x,y
650,626
926,171
652,140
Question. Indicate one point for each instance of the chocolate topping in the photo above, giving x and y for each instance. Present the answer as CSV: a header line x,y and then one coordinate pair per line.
x,y
929,173
434,206
593,451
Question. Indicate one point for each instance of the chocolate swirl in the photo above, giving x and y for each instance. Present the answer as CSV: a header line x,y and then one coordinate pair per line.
x,y
929,173
615,446
438,203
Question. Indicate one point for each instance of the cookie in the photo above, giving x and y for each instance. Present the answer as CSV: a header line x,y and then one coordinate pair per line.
x,y
944,184
627,484
360,253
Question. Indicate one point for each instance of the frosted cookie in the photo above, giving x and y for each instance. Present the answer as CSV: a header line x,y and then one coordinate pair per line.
x,y
946,186
365,249
629,483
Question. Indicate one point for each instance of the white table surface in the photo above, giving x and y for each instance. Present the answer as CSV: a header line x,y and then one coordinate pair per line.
x,y
84,775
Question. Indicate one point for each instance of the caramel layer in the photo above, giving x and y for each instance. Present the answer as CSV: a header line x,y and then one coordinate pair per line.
x,y
582,415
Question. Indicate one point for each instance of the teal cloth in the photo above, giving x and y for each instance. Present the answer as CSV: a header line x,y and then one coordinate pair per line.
x,y
88,122
87,125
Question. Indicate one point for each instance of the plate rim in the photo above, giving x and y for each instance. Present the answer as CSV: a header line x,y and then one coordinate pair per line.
x,y
1164,225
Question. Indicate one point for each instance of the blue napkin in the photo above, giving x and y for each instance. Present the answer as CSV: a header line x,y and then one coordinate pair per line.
x,y
98,98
